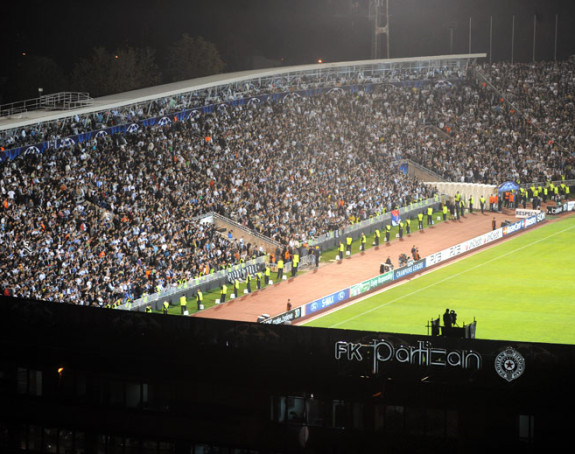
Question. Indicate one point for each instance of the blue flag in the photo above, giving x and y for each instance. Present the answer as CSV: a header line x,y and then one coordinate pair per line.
x,y
395,218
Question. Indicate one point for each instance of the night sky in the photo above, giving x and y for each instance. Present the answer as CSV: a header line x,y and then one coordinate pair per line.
x,y
298,31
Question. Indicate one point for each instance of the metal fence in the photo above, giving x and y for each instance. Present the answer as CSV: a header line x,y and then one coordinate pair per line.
x,y
327,241
56,101
190,288
330,240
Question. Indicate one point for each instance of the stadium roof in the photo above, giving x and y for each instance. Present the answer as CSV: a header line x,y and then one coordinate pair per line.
x,y
119,100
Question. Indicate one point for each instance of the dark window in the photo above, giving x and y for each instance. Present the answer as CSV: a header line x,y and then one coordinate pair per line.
x,y
29,381
50,440
526,428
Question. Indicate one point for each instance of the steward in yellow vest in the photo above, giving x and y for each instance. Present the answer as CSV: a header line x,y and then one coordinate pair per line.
x,y
183,304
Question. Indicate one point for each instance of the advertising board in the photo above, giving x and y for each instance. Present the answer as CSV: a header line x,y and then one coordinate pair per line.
x,y
285,317
521,213
370,284
327,301
407,270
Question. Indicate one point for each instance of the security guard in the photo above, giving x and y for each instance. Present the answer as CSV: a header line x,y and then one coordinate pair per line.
x,y
236,287
294,263
267,274
348,241
199,299
457,198
223,293
387,232
148,309
482,203
259,280
377,235
444,211
341,249
249,283
401,229
429,215
183,304
280,269
420,220
408,226
362,242
165,307
471,204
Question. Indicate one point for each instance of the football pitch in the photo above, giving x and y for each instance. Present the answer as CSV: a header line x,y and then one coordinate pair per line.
x,y
520,290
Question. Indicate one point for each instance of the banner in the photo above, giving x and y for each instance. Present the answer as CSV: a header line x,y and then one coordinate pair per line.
x,y
512,228
520,213
326,301
370,284
407,270
395,218
283,318
242,273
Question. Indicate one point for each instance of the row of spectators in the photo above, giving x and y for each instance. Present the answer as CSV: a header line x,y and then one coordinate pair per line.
x,y
113,218
488,136
65,127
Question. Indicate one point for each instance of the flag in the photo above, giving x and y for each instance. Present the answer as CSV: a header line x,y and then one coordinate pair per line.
x,y
395,218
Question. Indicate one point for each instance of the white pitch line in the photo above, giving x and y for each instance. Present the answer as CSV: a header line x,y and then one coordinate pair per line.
x,y
433,284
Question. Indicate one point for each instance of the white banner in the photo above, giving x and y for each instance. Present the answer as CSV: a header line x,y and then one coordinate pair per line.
x,y
520,213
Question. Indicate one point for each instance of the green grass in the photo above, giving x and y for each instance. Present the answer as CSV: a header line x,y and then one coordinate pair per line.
x,y
522,290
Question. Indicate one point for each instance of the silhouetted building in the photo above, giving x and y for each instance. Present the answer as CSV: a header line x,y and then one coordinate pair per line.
x,y
85,380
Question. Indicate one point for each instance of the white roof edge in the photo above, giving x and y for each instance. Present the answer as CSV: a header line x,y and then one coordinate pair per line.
x,y
187,86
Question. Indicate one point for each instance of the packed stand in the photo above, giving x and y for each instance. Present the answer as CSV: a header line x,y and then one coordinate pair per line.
x,y
521,132
113,218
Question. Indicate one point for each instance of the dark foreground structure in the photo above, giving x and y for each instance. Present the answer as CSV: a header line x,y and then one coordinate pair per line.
x,y
83,380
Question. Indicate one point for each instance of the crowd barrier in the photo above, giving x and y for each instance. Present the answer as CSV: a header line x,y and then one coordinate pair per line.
x,y
325,242
190,288
383,280
330,240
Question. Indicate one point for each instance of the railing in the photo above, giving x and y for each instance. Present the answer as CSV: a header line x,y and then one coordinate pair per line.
x,y
245,229
19,107
331,239
215,280
423,169
66,100
189,288
57,101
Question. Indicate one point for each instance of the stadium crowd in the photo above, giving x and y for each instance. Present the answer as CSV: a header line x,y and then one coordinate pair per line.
x,y
113,218
486,139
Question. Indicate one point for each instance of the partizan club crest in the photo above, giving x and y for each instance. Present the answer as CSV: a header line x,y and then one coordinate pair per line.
x,y
509,364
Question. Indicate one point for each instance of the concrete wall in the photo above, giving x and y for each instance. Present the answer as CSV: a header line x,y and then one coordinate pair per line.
x,y
466,190
237,232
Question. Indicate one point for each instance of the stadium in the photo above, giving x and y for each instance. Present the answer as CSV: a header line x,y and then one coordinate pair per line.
x,y
159,247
